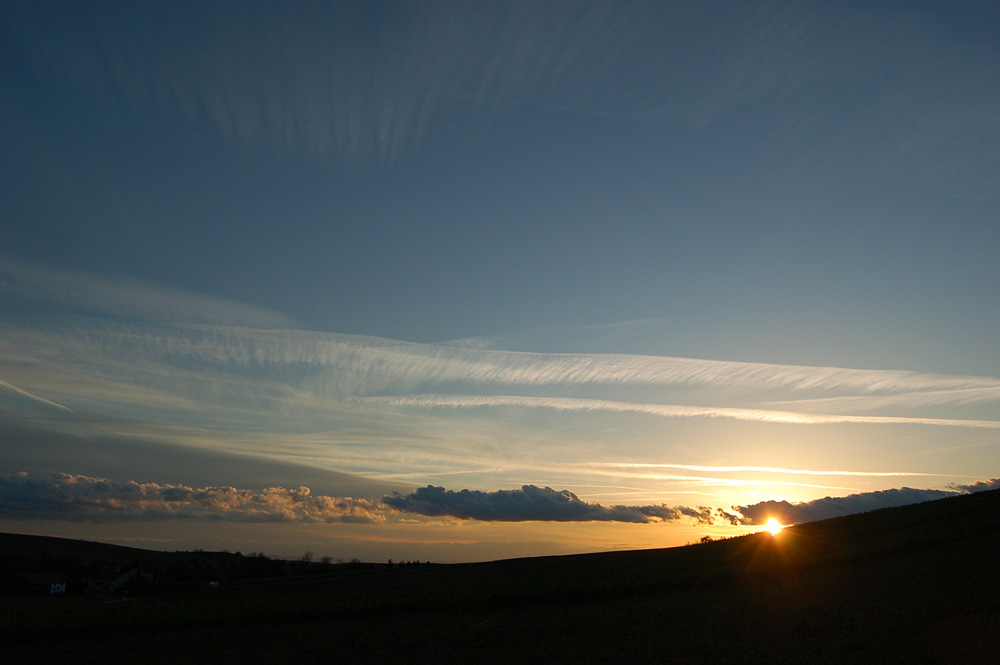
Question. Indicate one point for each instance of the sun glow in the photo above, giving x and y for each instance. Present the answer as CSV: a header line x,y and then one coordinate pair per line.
x,y
773,526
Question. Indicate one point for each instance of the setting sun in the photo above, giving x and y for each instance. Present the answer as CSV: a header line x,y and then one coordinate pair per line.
x,y
773,526
616,382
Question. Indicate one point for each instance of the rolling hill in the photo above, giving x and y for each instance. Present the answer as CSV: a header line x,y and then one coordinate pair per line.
x,y
918,583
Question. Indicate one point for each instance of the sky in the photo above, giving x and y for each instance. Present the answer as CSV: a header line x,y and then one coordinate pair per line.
x,y
461,281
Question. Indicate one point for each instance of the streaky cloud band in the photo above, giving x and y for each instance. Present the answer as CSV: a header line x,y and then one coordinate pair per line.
x,y
133,298
664,410
760,469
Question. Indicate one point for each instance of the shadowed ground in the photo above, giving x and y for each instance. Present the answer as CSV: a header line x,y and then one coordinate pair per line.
x,y
917,584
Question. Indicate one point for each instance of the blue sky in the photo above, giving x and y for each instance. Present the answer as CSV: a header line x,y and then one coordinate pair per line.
x,y
650,254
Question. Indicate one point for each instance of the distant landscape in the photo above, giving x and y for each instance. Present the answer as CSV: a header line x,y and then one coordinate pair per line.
x,y
912,584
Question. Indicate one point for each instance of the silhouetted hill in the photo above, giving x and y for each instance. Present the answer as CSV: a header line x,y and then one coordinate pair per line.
x,y
87,566
47,548
913,584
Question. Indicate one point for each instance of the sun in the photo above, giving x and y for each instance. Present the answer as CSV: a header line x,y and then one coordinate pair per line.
x,y
774,526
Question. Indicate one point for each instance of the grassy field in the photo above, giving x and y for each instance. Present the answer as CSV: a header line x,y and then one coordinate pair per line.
x,y
919,584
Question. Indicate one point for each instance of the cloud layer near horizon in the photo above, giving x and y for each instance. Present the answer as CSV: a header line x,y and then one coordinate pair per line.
x,y
187,373
545,504
531,503
73,497
828,507
66,496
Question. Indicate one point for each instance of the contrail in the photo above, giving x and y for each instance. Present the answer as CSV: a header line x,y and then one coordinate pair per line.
x,y
19,391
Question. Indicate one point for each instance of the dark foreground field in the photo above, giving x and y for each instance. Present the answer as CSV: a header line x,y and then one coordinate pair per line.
x,y
919,584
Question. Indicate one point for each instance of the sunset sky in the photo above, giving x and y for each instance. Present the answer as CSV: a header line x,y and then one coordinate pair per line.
x,y
464,281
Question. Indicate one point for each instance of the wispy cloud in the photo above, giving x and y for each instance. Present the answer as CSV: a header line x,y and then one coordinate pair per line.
x,y
73,497
369,81
353,365
353,81
761,469
666,410
386,408
512,368
130,298
291,369
911,400
25,393
146,325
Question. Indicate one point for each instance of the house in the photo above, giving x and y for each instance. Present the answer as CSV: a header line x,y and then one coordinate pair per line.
x,y
40,583
134,575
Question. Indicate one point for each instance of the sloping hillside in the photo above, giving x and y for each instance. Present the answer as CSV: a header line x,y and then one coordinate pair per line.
x,y
912,584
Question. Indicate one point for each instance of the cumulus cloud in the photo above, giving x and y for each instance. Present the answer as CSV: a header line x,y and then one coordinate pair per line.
x,y
73,497
828,507
980,486
65,496
531,503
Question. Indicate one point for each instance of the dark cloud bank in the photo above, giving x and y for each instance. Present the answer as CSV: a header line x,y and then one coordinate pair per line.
x,y
821,509
64,496
531,503
546,504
